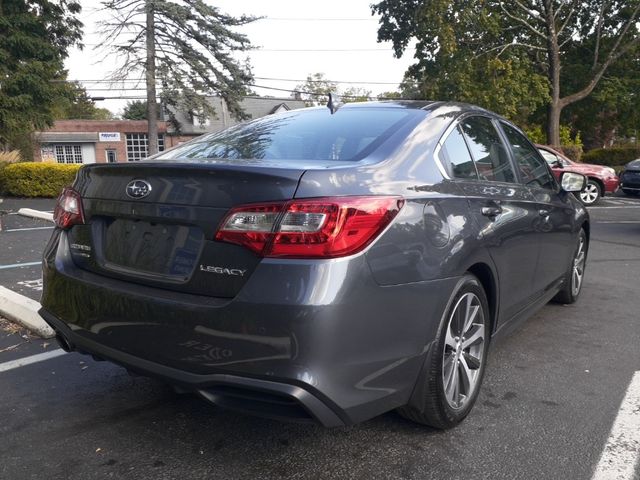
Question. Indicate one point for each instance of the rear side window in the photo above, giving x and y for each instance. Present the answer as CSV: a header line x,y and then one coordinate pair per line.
x,y
533,169
456,156
487,150
348,135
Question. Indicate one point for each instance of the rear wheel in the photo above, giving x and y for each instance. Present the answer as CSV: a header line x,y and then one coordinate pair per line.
x,y
453,373
591,193
575,276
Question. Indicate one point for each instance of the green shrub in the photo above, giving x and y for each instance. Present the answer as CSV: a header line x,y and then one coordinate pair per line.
x,y
566,140
29,179
535,134
2,165
611,157
574,152
571,146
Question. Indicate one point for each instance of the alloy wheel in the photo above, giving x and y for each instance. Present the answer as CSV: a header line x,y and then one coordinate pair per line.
x,y
464,350
590,194
578,267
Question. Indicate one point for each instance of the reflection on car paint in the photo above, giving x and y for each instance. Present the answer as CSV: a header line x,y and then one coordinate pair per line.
x,y
253,348
437,229
510,213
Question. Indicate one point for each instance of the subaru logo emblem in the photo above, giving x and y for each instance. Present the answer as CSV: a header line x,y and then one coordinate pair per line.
x,y
138,188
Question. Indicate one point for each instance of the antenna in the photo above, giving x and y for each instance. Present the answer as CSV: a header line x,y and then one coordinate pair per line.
x,y
334,103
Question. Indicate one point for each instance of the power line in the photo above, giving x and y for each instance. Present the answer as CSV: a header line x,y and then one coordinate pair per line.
x,y
296,80
300,92
311,19
315,50
325,80
295,50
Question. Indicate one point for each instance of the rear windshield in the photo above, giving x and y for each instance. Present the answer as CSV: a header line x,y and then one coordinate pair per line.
x,y
314,134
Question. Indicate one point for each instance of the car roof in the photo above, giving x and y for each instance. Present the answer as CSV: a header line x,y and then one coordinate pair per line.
x,y
432,108
433,105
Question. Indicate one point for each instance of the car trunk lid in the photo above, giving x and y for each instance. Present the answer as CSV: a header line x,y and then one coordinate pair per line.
x,y
165,237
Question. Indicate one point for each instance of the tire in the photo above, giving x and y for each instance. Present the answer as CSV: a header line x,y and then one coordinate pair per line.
x,y
451,377
630,193
591,194
574,277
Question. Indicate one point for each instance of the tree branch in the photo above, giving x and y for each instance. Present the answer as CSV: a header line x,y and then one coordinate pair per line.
x,y
569,99
522,21
503,48
569,15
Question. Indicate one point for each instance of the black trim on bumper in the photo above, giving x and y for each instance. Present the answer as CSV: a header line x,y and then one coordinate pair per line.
x,y
266,398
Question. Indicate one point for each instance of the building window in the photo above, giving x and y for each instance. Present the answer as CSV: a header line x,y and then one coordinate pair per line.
x,y
69,153
112,156
138,146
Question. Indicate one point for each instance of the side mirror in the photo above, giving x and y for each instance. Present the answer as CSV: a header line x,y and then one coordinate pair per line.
x,y
573,182
558,164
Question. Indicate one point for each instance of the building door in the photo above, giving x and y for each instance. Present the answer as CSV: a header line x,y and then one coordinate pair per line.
x,y
112,156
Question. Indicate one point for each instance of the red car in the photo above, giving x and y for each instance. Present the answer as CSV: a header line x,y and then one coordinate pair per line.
x,y
601,180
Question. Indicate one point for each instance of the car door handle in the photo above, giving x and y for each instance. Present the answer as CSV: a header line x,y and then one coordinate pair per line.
x,y
492,211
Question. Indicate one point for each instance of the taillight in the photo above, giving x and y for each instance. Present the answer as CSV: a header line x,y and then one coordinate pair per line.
x,y
68,211
309,228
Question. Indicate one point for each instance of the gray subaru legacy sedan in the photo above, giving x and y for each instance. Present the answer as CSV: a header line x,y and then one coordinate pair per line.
x,y
319,265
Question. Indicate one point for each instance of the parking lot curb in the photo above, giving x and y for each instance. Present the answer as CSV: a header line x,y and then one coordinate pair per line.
x,y
29,212
24,311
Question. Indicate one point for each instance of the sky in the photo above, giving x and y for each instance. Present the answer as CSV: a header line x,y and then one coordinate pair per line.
x,y
347,28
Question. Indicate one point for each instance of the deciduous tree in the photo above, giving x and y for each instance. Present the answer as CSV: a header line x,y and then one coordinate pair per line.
x,y
455,36
355,94
315,90
75,103
35,36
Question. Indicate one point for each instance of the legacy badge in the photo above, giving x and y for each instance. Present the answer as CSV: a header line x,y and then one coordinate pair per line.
x,y
236,272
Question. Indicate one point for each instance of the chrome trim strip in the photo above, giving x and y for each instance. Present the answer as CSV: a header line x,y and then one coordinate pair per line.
x,y
436,157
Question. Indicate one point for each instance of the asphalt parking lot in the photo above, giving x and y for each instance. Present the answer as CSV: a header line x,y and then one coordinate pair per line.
x,y
551,394
22,240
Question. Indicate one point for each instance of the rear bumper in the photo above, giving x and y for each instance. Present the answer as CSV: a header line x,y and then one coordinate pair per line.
x,y
611,185
302,340
249,395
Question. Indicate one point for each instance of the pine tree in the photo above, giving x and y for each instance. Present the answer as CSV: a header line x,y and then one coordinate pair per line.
x,y
185,47
135,110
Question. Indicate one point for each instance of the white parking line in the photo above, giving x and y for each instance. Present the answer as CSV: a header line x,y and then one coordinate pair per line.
x,y
17,265
625,207
40,357
618,221
620,201
27,229
619,459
